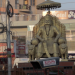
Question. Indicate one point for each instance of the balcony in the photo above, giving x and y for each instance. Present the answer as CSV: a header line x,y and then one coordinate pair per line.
x,y
22,20
24,8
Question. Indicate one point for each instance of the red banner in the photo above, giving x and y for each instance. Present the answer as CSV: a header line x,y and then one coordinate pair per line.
x,y
3,48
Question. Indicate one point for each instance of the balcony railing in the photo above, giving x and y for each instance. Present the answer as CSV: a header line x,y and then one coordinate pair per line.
x,y
26,17
24,7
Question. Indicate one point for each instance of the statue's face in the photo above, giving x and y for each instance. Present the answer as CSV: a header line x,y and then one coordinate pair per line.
x,y
48,22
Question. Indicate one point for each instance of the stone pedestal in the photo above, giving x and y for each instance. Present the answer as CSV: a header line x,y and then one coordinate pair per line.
x,y
64,60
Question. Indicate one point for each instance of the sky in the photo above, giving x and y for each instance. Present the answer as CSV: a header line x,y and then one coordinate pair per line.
x,y
66,4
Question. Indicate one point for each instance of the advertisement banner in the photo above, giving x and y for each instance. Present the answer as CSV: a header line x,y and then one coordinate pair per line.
x,y
21,48
65,14
3,50
71,14
49,62
3,47
60,14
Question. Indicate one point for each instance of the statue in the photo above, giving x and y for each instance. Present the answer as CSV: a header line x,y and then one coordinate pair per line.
x,y
31,52
47,40
49,34
63,51
63,48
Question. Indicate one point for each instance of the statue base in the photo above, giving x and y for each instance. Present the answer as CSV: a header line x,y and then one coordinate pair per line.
x,y
64,59
66,67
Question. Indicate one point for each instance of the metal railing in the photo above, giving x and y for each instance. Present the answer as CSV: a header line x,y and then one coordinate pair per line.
x,y
26,17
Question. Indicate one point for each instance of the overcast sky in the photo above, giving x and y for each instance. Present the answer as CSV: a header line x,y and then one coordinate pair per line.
x,y
66,4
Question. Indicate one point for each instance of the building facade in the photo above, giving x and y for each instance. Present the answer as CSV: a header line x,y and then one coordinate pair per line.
x,y
22,6
25,13
25,17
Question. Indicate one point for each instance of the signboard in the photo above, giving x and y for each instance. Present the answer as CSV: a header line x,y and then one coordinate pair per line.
x,y
49,62
3,50
21,48
65,14
3,47
45,63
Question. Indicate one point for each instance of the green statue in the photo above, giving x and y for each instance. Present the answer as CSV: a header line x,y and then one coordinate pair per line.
x,y
47,37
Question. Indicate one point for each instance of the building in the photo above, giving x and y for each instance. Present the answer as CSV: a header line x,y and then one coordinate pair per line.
x,y
25,13
25,17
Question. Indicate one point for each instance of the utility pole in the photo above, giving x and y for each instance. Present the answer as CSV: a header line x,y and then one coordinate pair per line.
x,y
8,41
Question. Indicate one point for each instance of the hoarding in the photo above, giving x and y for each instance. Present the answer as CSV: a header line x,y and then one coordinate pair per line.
x,y
71,14
60,14
3,50
65,14
3,47
21,48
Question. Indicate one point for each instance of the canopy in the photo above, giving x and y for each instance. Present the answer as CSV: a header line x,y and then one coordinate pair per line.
x,y
48,4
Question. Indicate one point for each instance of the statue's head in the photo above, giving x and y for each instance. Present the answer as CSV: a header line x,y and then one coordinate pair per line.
x,y
48,20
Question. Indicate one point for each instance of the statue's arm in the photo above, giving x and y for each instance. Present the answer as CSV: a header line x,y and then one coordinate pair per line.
x,y
38,34
58,34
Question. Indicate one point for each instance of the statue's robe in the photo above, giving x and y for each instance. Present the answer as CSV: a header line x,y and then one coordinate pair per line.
x,y
49,39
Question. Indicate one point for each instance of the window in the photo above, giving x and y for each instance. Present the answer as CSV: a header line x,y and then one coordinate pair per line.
x,y
32,2
0,3
25,2
20,6
16,2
